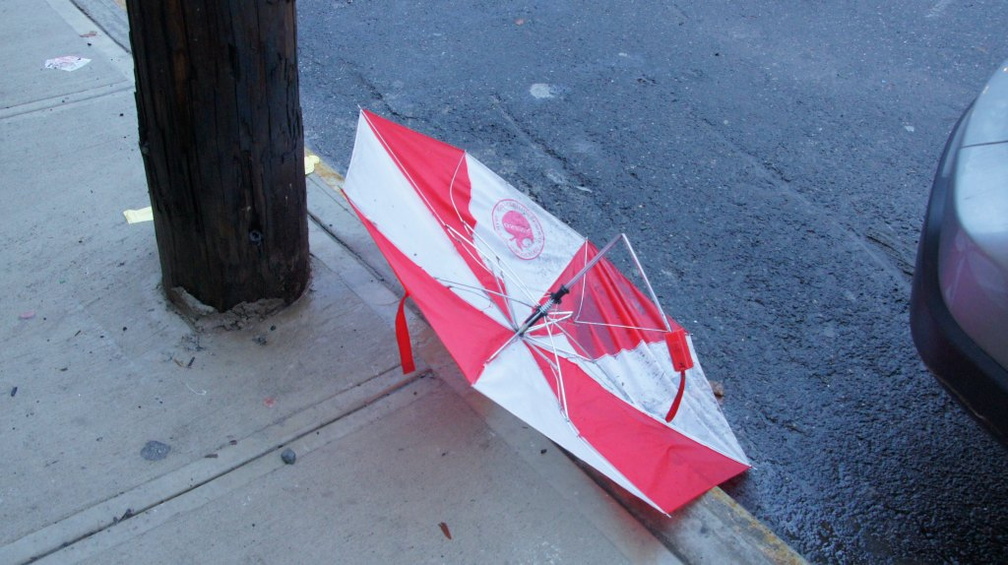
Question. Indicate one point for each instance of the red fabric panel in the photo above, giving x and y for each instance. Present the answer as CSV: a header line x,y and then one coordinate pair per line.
x,y
440,174
666,466
468,334
606,296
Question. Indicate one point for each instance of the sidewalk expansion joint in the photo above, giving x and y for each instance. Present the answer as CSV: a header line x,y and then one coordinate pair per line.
x,y
65,100
193,484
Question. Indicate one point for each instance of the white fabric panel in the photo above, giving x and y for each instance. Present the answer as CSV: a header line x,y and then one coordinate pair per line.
x,y
702,412
553,243
644,377
379,190
514,381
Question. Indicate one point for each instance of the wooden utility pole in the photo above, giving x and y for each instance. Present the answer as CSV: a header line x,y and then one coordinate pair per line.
x,y
222,143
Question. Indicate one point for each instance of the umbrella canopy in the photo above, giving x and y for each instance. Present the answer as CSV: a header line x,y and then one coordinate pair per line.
x,y
539,319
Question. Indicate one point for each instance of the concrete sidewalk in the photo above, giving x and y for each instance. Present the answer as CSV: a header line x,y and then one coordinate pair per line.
x,y
130,435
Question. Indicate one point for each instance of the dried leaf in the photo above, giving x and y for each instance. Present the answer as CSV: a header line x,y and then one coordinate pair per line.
x,y
717,388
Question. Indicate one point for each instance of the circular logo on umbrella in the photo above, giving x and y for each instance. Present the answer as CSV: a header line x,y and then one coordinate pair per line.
x,y
519,228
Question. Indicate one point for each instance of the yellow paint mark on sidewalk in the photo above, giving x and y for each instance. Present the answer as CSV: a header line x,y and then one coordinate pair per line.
x,y
310,161
331,177
137,216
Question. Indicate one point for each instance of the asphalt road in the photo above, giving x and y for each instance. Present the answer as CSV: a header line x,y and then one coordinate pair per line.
x,y
771,162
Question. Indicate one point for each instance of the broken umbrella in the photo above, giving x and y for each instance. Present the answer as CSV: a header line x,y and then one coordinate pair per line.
x,y
539,319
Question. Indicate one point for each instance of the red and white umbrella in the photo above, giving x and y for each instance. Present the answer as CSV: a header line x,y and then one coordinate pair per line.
x,y
540,320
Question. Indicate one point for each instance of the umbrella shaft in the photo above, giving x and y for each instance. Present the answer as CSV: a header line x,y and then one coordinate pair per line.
x,y
537,314
540,312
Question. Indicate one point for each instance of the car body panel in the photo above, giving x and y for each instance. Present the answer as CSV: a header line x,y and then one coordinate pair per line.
x,y
991,111
973,249
959,297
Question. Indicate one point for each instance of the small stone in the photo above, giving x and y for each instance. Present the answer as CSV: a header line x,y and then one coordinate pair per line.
x,y
288,456
155,451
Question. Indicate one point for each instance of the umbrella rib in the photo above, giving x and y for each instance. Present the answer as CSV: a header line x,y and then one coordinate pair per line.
x,y
481,289
504,271
614,387
504,267
647,283
566,352
564,411
554,363
451,188
556,296
541,343
482,258
469,246
620,326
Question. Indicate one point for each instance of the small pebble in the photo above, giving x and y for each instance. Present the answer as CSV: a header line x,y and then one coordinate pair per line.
x,y
288,456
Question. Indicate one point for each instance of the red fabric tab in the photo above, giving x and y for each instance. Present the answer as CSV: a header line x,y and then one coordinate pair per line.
x,y
469,335
679,349
403,338
681,361
678,397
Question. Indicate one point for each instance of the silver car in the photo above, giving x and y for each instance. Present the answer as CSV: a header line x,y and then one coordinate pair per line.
x,y
959,301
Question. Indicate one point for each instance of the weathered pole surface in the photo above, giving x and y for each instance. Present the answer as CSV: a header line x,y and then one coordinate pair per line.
x,y
222,143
